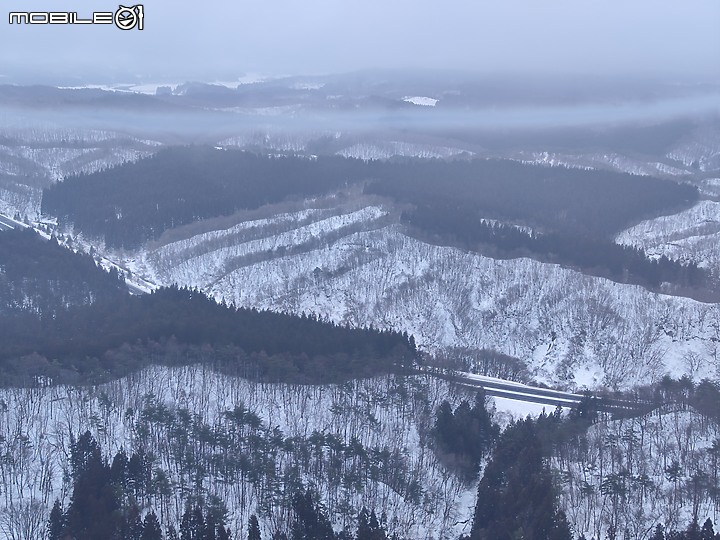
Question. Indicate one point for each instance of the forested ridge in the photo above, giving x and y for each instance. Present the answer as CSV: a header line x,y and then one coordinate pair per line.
x,y
560,215
594,202
40,276
592,254
177,326
567,216
65,319
134,202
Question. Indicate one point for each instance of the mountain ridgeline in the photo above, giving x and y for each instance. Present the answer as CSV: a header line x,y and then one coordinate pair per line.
x,y
560,215
133,203
173,326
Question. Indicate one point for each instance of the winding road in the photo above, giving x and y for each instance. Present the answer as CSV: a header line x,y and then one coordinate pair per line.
x,y
7,224
533,394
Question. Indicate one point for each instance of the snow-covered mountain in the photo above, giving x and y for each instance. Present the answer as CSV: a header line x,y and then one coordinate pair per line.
x,y
31,158
691,235
355,267
348,259
613,160
365,442
345,257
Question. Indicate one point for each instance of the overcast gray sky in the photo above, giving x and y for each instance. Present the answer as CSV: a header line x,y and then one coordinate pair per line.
x,y
197,40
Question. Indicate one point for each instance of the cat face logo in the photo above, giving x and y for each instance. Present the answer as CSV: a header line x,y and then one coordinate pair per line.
x,y
127,18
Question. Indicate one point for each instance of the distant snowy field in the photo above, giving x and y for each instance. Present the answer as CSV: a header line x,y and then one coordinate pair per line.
x,y
421,100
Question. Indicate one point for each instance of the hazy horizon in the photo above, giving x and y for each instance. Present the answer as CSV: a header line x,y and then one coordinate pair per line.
x,y
647,39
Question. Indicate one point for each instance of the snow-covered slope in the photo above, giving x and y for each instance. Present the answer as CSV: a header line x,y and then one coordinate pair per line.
x,y
700,151
625,474
571,329
254,241
611,160
692,235
19,199
317,435
710,186
31,158
388,149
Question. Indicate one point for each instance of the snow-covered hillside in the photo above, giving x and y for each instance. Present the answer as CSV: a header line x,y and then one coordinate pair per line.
x,y
364,442
318,435
256,240
55,153
388,149
639,472
341,143
612,160
269,139
571,329
691,235
700,151
19,199
31,158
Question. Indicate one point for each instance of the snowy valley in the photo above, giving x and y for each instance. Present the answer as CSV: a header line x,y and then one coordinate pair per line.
x,y
349,255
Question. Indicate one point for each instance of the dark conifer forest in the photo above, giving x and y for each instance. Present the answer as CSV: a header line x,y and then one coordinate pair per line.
x,y
65,319
136,202
572,213
40,276
109,498
174,326
130,204
465,436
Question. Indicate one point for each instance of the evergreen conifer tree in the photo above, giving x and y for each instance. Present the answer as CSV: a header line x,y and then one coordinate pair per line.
x,y
56,523
658,534
708,531
151,527
253,528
